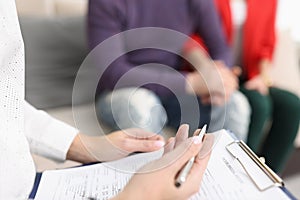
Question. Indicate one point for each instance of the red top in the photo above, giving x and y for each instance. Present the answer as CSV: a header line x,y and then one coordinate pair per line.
x,y
258,33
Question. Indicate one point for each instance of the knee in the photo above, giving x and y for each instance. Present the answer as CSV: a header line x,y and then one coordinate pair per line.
x,y
147,110
295,106
141,99
237,117
242,104
288,102
134,97
140,107
260,104
239,106
132,107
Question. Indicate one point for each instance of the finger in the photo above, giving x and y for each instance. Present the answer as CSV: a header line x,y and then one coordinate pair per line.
x,y
195,176
134,145
254,86
156,137
169,145
182,134
263,91
138,133
197,132
181,154
266,91
250,86
208,143
230,81
236,70
217,99
205,99
219,63
229,93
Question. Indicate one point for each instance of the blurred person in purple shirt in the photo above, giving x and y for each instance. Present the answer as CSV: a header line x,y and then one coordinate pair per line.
x,y
153,96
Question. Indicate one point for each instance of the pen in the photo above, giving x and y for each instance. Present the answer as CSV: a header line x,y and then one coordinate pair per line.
x,y
186,169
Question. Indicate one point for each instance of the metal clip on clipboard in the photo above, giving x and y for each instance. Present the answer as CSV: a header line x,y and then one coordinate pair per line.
x,y
277,181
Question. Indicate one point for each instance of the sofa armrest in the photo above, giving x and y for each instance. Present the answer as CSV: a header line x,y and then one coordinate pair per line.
x,y
55,49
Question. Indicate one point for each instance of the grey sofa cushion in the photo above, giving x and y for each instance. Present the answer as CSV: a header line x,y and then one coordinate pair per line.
x,y
54,50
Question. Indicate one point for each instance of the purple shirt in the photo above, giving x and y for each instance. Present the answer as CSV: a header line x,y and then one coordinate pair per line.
x,y
109,17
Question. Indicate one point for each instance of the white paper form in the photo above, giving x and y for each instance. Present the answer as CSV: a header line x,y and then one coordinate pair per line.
x,y
99,181
224,179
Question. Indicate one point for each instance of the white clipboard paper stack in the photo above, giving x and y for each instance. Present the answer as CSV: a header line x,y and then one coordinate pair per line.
x,y
234,172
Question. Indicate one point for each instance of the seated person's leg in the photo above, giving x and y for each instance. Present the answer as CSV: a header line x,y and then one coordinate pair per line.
x,y
131,107
186,109
234,116
285,123
260,114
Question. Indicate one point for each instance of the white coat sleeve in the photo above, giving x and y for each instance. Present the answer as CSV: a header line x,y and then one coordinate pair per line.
x,y
47,136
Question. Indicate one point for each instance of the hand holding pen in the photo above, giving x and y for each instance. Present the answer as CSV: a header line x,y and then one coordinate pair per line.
x,y
156,179
182,176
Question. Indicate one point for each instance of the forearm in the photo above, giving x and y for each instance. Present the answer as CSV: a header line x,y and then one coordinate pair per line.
x,y
123,196
198,58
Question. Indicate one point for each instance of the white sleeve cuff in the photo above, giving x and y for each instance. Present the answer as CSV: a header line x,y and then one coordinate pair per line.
x,y
47,136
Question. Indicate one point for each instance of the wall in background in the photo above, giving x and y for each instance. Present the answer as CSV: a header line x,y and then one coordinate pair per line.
x,y
51,7
288,17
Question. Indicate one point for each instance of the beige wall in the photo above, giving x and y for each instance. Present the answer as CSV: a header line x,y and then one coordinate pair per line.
x,y
286,69
51,7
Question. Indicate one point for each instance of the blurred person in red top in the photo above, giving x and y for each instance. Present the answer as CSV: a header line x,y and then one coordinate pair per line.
x,y
249,27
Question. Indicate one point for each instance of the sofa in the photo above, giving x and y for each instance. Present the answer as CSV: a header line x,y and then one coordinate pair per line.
x,y
56,44
55,49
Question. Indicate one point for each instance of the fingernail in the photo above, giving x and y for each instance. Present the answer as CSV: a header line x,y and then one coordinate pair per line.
x,y
184,127
197,140
207,146
159,143
197,132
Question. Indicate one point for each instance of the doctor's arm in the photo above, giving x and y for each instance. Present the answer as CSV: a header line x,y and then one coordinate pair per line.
x,y
59,141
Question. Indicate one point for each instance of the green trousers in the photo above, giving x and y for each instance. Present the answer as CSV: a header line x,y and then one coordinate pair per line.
x,y
274,125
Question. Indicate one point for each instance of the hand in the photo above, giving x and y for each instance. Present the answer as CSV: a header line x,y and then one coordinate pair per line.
x,y
229,80
212,81
114,146
215,84
198,82
156,179
257,83
263,81
236,70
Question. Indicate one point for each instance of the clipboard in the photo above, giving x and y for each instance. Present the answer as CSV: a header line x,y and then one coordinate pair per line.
x,y
216,176
260,162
